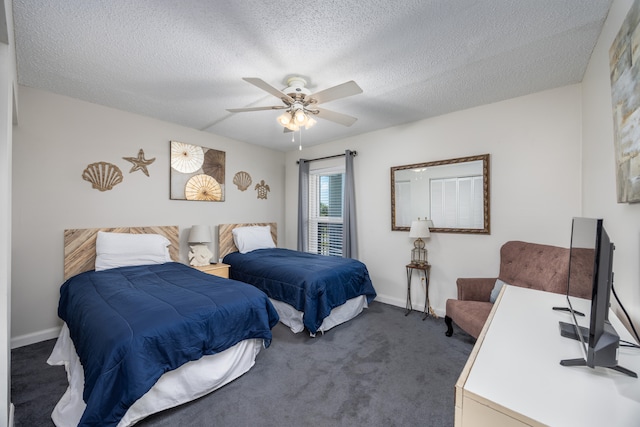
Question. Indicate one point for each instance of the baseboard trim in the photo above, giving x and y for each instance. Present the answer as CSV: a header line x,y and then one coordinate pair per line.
x,y
47,334
390,300
402,303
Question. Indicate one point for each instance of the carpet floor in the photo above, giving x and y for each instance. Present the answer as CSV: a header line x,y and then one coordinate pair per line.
x,y
379,369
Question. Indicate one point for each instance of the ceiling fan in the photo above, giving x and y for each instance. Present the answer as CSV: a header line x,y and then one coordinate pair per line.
x,y
301,105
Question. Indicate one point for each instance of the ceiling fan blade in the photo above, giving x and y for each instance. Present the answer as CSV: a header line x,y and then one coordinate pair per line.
x,y
336,92
241,110
268,88
332,116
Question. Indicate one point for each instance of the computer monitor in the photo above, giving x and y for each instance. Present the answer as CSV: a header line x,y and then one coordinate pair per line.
x,y
591,246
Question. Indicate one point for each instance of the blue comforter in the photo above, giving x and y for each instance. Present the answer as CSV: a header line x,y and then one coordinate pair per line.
x,y
313,284
132,324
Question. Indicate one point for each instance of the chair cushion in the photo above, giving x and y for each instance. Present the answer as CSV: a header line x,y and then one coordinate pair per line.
x,y
470,316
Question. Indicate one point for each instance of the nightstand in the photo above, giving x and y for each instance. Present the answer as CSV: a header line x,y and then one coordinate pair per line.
x,y
219,269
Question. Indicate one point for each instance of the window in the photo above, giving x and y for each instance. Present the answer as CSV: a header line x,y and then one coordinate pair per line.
x,y
326,189
457,202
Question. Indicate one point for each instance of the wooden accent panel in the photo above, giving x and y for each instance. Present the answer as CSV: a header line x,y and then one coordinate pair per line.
x,y
225,237
80,245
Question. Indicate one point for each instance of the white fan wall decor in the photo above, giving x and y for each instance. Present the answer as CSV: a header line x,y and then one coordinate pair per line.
x,y
300,105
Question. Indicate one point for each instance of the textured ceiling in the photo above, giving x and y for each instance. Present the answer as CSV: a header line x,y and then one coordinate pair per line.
x,y
183,61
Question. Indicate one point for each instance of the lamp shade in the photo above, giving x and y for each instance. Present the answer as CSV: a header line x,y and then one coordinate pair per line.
x,y
200,234
419,229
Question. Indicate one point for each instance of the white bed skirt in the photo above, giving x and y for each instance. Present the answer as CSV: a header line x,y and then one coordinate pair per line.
x,y
347,311
190,381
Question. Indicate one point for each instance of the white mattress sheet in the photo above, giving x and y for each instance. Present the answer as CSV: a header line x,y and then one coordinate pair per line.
x,y
347,311
191,381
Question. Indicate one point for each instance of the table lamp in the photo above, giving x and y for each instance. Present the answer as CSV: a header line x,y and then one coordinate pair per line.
x,y
419,230
200,254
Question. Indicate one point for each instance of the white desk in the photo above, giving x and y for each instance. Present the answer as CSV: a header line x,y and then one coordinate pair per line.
x,y
514,378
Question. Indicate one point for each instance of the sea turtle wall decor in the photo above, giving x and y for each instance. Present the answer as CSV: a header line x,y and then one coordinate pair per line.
x,y
262,189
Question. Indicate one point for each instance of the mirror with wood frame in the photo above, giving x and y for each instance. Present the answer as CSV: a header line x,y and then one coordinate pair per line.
x,y
453,193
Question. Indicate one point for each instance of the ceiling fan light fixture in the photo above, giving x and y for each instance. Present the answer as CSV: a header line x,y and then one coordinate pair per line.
x,y
292,126
310,122
284,119
301,117
300,103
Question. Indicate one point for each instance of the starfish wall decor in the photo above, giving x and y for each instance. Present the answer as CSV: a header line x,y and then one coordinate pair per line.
x,y
140,163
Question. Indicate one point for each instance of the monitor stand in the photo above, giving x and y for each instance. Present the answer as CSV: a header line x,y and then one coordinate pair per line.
x,y
582,362
568,330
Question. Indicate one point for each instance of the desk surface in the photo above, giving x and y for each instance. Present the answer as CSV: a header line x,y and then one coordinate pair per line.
x,y
518,366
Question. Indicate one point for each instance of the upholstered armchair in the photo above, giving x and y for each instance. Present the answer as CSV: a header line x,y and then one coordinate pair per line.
x,y
471,310
529,265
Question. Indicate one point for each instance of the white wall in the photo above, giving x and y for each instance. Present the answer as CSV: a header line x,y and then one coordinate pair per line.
x,y
6,100
55,141
7,83
621,220
534,143
5,244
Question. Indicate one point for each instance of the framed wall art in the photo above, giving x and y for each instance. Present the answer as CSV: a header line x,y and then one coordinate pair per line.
x,y
197,173
624,55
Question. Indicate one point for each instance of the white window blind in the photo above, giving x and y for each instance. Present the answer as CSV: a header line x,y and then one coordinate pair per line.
x,y
457,202
326,189
403,203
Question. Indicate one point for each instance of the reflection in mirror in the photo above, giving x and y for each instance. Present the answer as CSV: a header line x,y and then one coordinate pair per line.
x,y
453,193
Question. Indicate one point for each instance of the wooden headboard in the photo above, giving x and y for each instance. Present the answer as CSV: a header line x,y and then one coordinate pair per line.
x,y
225,238
80,245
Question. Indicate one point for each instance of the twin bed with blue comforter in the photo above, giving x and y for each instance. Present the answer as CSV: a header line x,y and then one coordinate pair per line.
x,y
310,291
312,284
130,331
130,325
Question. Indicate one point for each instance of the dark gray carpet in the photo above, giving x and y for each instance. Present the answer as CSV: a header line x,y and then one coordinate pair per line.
x,y
379,369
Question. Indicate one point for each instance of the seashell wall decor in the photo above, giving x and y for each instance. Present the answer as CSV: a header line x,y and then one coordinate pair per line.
x,y
103,176
242,180
262,189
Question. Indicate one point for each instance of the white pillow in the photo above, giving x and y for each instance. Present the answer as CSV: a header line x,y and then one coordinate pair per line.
x,y
249,239
124,249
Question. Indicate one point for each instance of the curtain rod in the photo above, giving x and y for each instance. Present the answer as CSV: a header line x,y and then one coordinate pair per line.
x,y
353,153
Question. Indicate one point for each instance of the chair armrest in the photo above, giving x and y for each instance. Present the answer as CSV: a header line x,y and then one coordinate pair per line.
x,y
475,289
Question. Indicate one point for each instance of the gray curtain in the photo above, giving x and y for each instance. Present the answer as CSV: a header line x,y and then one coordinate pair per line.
x,y
303,205
349,235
